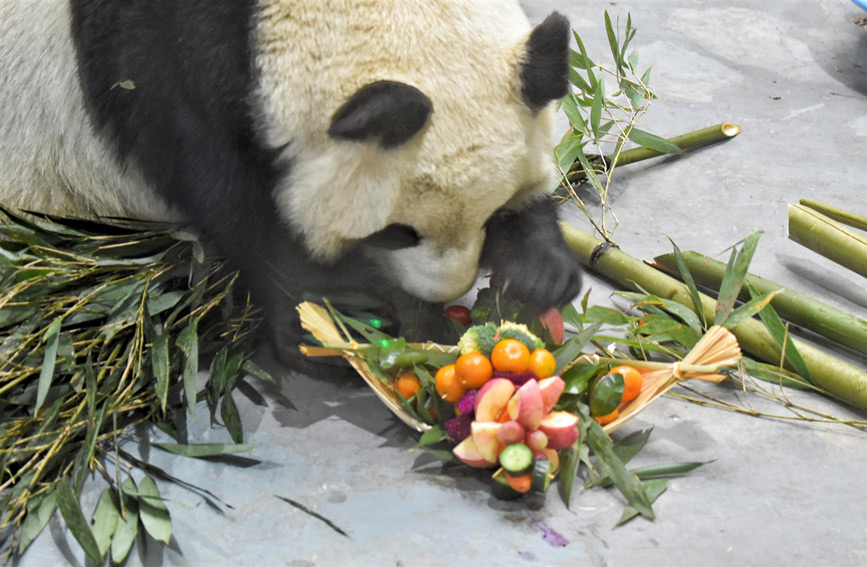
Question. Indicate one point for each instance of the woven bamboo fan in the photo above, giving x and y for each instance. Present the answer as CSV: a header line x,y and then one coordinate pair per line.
x,y
717,349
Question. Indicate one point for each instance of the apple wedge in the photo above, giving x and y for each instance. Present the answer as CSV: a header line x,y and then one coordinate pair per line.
x,y
492,399
484,434
551,388
561,427
469,454
525,406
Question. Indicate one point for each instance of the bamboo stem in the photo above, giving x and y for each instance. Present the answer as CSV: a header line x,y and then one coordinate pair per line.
x,y
839,215
831,239
839,326
686,142
840,379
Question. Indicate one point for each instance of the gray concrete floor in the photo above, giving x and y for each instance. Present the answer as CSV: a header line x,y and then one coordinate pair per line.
x,y
793,74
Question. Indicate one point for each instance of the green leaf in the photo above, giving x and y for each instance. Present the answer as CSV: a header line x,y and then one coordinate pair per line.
x,y
569,463
686,275
313,514
780,333
578,376
654,142
231,418
748,309
67,501
733,278
572,348
613,43
46,374
570,108
432,436
39,510
199,450
654,489
160,362
254,369
389,352
606,394
105,519
626,482
596,109
655,471
188,342
127,525
153,512
630,445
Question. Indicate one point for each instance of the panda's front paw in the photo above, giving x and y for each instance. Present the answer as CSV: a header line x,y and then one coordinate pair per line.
x,y
546,278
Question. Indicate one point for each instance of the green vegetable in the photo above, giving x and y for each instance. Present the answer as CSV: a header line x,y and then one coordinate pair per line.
x,y
517,459
501,490
479,338
542,475
509,330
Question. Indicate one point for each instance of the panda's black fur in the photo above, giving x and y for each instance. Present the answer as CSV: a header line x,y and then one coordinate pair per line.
x,y
170,85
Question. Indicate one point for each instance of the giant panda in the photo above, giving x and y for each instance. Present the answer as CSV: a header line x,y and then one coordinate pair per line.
x,y
386,146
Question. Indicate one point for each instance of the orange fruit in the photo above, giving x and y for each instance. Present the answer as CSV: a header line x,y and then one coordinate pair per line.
x,y
407,384
605,419
631,382
447,385
511,355
473,369
542,363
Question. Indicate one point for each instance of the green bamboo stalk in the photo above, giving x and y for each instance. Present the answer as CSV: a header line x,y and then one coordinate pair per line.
x,y
840,379
831,239
686,142
839,215
835,324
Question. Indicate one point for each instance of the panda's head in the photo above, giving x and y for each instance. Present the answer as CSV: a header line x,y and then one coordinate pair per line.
x,y
406,125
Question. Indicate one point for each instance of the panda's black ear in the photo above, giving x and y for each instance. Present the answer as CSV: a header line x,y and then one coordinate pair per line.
x,y
385,112
545,70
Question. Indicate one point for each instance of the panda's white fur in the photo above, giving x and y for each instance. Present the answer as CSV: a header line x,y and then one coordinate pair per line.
x,y
449,180
238,123
50,159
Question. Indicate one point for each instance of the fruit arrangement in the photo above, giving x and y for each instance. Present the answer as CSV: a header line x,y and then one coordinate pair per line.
x,y
503,399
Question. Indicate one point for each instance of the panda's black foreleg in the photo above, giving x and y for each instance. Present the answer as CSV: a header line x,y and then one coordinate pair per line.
x,y
529,258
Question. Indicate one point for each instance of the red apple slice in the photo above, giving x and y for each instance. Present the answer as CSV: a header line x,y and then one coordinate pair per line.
x,y
553,321
468,453
561,427
484,434
525,406
492,399
551,389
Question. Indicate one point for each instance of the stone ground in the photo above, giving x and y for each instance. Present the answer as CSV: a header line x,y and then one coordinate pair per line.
x,y
793,74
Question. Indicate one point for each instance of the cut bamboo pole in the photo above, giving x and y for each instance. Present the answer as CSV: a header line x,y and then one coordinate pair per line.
x,y
842,380
686,142
839,326
829,238
838,214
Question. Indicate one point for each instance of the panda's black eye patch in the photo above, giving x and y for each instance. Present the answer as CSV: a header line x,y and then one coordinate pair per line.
x,y
394,237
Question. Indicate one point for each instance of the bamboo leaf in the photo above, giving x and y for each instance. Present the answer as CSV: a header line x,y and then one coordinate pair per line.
x,y
105,519
200,450
254,369
153,512
599,442
596,109
654,142
161,364
188,342
569,350
313,514
67,501
748,309
779,332
630,445
686,275
733,280
46,374
432,436
655,471
127,525
231,418
569,463
39,511
654,489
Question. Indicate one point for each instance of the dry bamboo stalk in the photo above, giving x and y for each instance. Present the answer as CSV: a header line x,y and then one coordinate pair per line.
x,y
840,379
829,238
839,326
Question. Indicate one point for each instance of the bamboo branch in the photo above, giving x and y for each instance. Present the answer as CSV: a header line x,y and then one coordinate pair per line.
x,y
829,238
839,326
839,215
840,379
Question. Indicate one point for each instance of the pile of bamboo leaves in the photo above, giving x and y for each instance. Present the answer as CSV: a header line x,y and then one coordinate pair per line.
x,y
101,328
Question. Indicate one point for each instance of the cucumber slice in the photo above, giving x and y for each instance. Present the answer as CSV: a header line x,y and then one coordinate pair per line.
x,y
517,459
541,475
501,490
